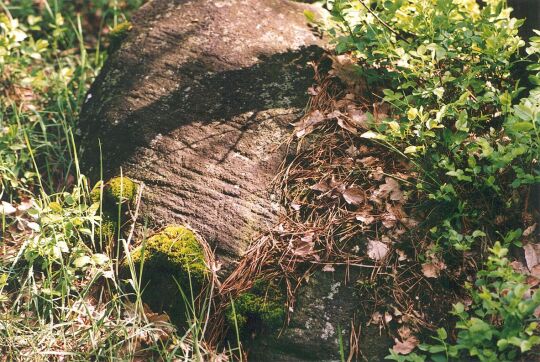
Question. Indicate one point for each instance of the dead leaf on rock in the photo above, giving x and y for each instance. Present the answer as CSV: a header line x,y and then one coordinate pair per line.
x,y
406,346
376,249
528,231
532,255
307,124
354,196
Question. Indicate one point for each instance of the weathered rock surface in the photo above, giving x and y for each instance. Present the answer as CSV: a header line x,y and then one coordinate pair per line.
x,y
196,104
326,306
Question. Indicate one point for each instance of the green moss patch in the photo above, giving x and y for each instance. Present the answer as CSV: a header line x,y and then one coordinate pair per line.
x,y
175,249
171,260
120,190
119,33
259,309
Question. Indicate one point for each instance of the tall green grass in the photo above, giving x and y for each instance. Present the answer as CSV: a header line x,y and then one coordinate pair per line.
x,y
61,296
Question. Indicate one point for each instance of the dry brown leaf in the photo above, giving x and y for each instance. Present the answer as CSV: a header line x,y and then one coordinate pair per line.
x,y
532,255
369,161
345,124
354,196
376,318
352,151
433,269
389,220
402,256
406,346
404,332
535,271
528,231
322,186
304,246
307,124
391,188
365,218
328,268
295,206
358,117
7,209
376,249
313,91
378,174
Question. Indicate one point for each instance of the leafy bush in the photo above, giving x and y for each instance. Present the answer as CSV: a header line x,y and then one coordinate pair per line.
x,y
498,326
446,68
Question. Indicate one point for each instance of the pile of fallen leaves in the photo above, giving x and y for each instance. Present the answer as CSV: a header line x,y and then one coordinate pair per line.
x,y
350,202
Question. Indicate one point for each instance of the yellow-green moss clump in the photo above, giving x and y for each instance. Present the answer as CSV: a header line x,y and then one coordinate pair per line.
x,y
259,309
95,194
174,249
120,190
117,191
171,259
118,33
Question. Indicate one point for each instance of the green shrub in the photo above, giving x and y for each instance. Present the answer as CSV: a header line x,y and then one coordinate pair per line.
x,y
446,68
500,324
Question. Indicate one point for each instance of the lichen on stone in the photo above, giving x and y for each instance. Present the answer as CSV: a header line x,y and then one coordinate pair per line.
x,y
260,308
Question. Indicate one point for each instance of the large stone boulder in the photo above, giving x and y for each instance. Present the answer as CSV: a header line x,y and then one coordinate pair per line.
x,y
196,103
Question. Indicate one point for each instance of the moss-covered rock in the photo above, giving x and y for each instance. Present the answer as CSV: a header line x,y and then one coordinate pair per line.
x,y
95,194
120,190
118,33
175,249
260,309
117,191
171,260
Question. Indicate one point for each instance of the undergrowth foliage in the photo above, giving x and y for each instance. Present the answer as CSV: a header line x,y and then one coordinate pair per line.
x,y
60,244
448,69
